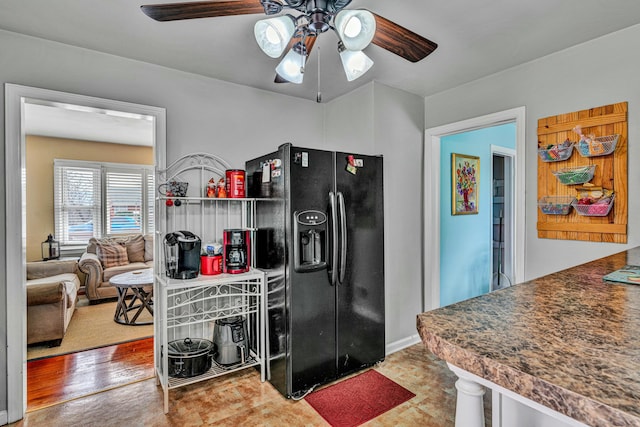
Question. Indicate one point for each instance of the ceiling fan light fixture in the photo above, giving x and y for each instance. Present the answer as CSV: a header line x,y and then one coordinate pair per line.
x,y
291,68
355,28
273,34
355,64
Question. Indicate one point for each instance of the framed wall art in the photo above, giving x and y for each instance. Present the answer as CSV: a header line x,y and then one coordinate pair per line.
x,y
465,183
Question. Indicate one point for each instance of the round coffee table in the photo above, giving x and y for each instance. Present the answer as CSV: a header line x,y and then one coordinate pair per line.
x,y
135,284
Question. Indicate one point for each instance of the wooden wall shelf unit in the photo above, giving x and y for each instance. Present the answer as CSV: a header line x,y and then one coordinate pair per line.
x,y
610,173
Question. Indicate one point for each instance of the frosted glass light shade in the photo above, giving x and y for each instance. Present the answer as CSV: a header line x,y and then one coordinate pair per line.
x,y
291,68
355,64
273,34
355,28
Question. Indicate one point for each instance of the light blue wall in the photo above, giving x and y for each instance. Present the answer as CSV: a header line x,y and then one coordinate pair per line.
x,y
465,240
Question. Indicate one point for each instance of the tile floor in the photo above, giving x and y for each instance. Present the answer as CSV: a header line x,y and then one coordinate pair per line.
x,y
242,400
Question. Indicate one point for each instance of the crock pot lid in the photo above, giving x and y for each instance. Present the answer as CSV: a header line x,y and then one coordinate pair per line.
x,y
189,347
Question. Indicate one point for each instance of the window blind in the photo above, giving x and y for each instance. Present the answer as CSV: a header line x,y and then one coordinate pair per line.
x,y
151,198
124,202
78,203
95,199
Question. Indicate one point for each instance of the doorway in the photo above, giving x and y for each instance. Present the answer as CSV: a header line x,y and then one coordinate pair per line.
x,y
434,182
15,99
502,167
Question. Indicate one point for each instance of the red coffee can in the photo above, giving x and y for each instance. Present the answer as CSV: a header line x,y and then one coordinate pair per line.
x,y
235,183
210,265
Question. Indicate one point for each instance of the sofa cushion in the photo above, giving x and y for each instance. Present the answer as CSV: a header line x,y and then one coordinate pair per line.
x,y
40,269
139,247
112,255
135,248
110,272
148,247
70,281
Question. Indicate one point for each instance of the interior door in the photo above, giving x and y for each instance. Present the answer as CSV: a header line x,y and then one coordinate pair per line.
x,y
360,293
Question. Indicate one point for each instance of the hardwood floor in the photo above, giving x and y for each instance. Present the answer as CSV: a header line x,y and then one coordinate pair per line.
x,y
240,399
60,378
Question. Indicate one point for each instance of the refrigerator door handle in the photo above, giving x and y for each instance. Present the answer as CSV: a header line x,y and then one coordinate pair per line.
x,y
334,238
343,237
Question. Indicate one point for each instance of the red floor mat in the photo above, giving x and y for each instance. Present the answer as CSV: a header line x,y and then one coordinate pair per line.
x,y
352,402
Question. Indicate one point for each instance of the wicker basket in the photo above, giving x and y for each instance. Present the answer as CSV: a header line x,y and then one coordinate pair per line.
x,y
556,205
594,209
555,153
572,176
599,146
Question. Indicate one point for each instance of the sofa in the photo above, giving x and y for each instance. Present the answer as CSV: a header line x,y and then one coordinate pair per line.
x,y
52,293
107,257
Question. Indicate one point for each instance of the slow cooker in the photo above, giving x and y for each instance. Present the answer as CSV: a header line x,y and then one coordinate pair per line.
x,y
189,357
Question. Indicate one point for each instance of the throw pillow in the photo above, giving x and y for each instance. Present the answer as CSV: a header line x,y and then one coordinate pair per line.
x,y
148,247
112,255
92,246
135,248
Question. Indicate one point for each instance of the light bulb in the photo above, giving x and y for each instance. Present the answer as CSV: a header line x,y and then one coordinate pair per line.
x,y
291,68
355,64
355,28
273,34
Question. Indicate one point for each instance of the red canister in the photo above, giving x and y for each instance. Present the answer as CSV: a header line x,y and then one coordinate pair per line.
x,y
210,265
235,183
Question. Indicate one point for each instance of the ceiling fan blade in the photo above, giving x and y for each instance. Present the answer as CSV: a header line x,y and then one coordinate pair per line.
x,y
308,43
201,9
397,39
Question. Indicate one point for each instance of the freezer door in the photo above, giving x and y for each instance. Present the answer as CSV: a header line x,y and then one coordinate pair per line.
x,y
360,292
310,295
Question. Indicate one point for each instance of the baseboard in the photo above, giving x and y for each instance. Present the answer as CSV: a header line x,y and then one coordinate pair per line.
x,y
4,418
401,344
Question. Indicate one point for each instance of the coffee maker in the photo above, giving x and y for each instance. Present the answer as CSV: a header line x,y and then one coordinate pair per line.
x,y
182,255
236,251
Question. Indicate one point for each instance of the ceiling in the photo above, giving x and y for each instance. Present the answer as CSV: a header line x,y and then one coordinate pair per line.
x,y
88,124
475,38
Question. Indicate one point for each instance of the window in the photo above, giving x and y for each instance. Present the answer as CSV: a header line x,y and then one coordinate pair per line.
x,y
95,199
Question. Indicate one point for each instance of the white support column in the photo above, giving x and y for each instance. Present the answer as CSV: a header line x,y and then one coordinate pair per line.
x,y
469,404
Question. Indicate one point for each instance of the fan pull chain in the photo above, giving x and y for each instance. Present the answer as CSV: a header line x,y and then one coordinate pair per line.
x,y
319,96
303,57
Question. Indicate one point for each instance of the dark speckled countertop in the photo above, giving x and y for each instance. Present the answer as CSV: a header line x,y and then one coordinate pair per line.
x,y
568,341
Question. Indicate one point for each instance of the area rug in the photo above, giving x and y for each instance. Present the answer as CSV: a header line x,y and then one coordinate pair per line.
x,y
92,326
357,400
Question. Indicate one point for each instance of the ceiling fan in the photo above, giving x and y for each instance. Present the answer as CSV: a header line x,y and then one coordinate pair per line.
x,y
356,29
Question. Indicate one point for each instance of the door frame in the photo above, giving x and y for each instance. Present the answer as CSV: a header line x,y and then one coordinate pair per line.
x,y
15,170
431,197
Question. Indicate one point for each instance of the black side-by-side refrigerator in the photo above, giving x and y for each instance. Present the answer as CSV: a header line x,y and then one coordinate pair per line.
x,y
320,238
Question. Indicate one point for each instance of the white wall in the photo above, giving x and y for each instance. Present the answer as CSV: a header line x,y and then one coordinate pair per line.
x,y
398,122
600,72
349,122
